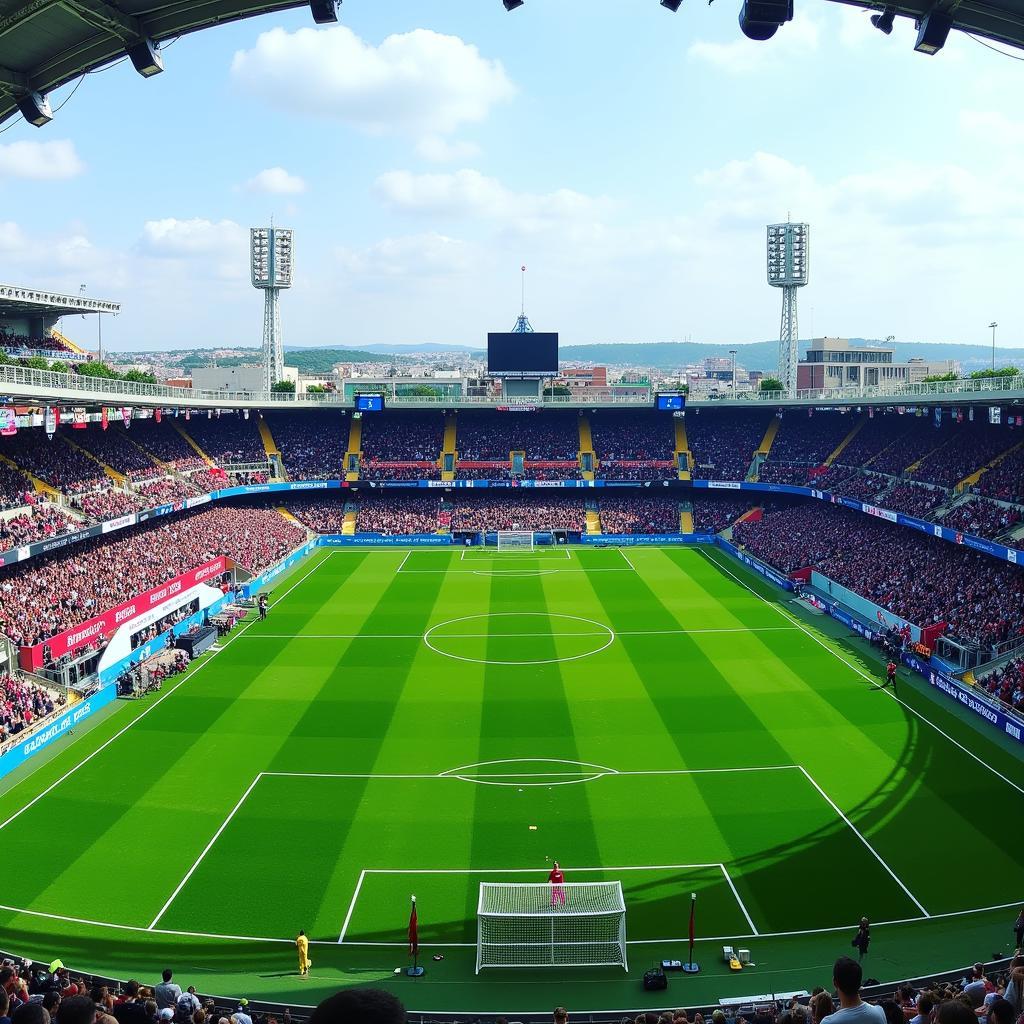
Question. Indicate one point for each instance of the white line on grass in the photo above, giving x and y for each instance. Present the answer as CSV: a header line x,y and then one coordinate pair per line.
x,y
351,906
742,905
532,871
85,760
469,636
199,859
403,561
626,557
860,835
862,673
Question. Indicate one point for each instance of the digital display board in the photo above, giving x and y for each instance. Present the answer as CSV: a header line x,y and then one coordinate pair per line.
x,y
523,355
671,402
369,403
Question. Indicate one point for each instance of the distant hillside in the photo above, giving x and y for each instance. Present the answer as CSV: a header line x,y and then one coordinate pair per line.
x,y
763,355
401,350
313,360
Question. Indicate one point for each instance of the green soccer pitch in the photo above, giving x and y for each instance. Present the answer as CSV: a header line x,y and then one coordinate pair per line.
x,y
422,721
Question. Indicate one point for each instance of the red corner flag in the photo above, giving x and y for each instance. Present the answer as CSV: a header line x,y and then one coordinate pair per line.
x,y
414,931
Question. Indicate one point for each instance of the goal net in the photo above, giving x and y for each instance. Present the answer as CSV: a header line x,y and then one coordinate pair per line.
x,y
515,540
535,924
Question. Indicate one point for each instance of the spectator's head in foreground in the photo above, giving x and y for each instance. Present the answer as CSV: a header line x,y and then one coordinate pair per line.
x,y
359,1006
953,1011
847,977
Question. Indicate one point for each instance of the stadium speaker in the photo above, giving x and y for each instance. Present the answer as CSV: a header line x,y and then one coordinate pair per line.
x,y
672,5
325,12
35,108
932,32
511,5
883,22
760,19
655,980
146,58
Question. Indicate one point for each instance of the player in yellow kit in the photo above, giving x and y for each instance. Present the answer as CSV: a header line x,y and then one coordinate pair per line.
x,y
302,945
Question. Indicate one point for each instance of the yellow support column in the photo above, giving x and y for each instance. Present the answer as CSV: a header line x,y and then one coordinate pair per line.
x,y
971,479
290,517
270,446
593,522
355,440
686,522
188,440
683,448
118,478
348,525
586,447
846,440
448,444
40,486
769,436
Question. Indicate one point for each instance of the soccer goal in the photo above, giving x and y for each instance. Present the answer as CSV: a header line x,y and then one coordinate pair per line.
x,y
515,540
534,924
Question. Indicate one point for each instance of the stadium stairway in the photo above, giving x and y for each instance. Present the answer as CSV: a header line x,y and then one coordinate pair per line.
x,y
586,447
62,339
274,456
593,519
685,517
763,449
191,443
291,519
972,478
354,448
348,524
846,440
683,448
41,486
118,478
448,445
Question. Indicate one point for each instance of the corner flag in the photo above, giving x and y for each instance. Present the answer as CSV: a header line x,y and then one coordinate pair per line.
x,y
414,931
691,966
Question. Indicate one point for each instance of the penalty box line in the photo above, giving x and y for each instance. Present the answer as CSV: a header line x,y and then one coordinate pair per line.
x,y
536,871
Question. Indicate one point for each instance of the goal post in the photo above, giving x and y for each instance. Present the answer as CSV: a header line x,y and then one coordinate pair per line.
x,y
535,924
515,540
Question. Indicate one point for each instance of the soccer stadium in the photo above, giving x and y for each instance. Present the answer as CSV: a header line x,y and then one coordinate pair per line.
x,y
385,701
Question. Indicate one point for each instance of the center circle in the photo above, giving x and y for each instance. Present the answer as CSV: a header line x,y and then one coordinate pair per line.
x,y
518,638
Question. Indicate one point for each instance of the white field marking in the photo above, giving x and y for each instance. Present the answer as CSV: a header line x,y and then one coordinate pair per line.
x,y
860,835
532,871
403,561
460,773
627,558
543,661
351,906
43,915
736,895
863,674
184,679
460,636
463,768
206,849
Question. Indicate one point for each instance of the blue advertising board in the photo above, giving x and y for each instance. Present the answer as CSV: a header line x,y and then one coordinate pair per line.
x,y
368,540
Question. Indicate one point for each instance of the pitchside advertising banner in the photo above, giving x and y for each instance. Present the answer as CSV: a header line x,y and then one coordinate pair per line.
x,y
71,640
366,540
759,567
18,753
629,540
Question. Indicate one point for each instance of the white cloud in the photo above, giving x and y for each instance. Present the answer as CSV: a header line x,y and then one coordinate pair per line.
x,y
55,160
440,151
212,248
992,126
468,193
423,255
743,56
276,181
418,83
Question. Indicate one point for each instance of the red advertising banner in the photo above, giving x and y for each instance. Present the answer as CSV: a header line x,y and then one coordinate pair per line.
x,y
104,418
87,632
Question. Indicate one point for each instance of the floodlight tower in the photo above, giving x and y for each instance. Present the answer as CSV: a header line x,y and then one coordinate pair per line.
x,y
270,251
788,255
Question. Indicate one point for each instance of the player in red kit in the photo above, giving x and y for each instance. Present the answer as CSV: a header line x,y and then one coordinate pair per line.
x,y
557,878
890,676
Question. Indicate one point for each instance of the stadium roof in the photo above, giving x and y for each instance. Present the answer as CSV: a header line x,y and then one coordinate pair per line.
x,y
46,43
18,301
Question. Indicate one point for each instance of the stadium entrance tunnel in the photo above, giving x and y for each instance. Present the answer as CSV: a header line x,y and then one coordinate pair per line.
x,y
518,638
522,772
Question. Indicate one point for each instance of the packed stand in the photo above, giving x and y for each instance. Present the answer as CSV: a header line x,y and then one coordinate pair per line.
x,y
49,594
723,442
108,504
634,445
164,491
518,512
208,479
923,579
966,447
543,436
913,499
46,343
40,523
164,442
321,514
402,437
639,514
312,444
15,488
54,461
810,439
878,434
114,448
228,438
1004,481
398,514
982,518
713,515
21,705
917,439
847,483
1007,683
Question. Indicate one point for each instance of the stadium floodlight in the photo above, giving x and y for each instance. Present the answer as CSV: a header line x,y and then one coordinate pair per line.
x,y
145,58
524,925
325,12
270,251
788,256
672,5
884,21
932,31
511,5
760,19
35,108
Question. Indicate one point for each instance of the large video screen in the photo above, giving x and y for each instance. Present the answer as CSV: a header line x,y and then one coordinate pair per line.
x,y
525,354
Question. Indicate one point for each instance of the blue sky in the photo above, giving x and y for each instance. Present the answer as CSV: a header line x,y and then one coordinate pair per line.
x,y
423,151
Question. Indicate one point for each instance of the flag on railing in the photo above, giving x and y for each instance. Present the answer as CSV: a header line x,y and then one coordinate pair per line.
x,y
414,931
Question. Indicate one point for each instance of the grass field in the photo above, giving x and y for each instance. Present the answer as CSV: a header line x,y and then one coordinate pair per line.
x,y
403,718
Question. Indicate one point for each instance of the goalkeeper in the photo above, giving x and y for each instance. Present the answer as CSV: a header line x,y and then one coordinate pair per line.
x,y
557,878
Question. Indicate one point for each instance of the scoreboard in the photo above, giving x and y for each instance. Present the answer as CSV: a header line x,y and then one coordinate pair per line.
x,y
515,354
